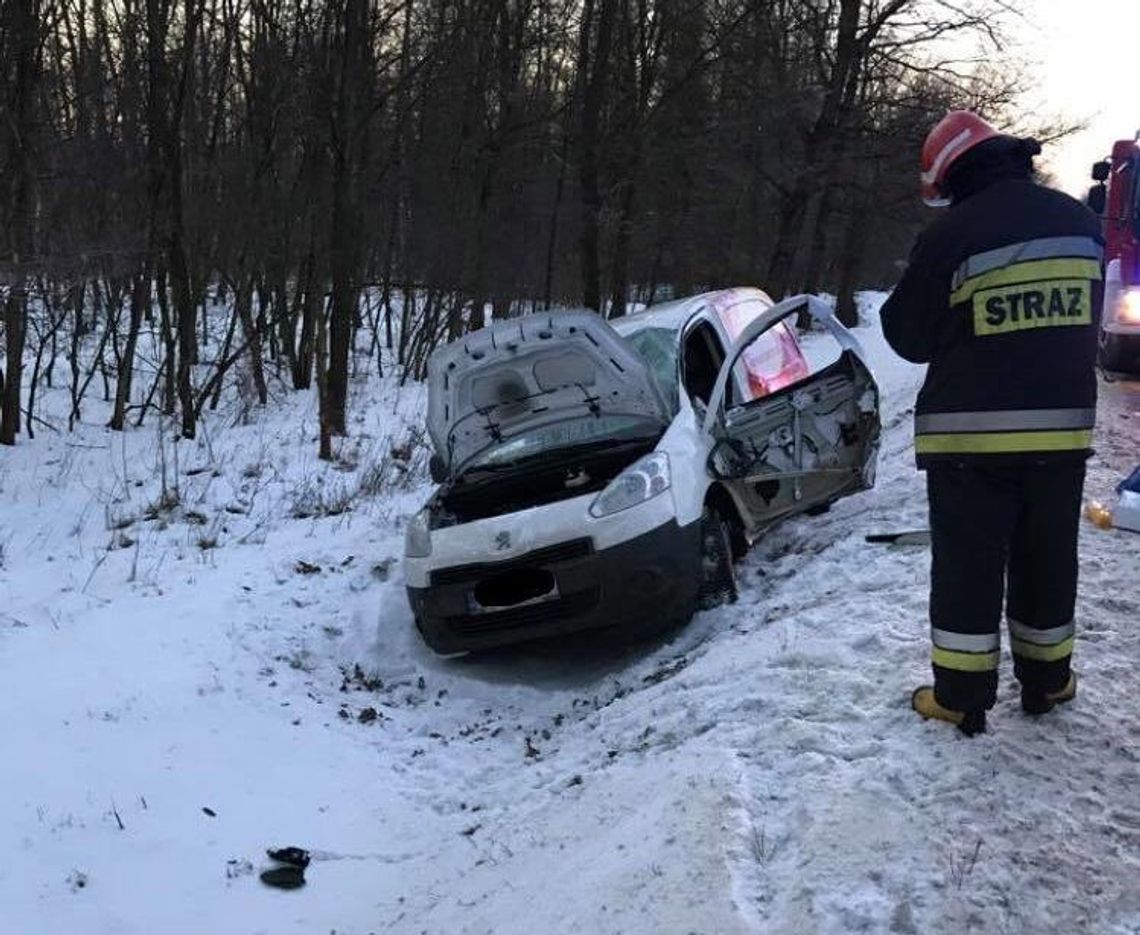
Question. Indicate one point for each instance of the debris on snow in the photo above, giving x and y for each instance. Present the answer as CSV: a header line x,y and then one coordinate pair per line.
x,y
292,855
237,868
283,878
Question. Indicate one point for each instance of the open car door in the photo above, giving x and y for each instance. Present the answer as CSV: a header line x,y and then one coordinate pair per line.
x,y
810,439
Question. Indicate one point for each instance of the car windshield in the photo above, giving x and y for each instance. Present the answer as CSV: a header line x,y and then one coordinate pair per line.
x,y
658,348
567,433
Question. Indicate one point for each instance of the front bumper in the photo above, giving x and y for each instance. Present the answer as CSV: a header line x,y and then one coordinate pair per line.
x,y
1124,329
648,579
1120,350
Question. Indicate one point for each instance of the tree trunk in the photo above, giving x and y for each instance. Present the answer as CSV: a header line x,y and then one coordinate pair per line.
x,y
184,309
344,234
140,297
310,309
817,253
182,294
15,323
823,147
853,255
555,211
22,43
244,300
73,361
227,342
593,70
619,277
789,226
326,428
286,321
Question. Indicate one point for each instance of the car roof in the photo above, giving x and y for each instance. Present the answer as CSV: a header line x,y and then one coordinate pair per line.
x,y
674,315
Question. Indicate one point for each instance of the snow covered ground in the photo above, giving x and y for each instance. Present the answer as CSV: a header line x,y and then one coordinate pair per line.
x,y
199,669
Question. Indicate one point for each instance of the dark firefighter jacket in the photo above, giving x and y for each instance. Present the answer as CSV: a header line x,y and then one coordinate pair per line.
x,y
1002,298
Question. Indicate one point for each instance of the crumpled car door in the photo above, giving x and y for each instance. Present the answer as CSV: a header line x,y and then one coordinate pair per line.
x,y
804,445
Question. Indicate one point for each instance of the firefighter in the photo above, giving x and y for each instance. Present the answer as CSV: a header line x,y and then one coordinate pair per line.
x,y
1002,299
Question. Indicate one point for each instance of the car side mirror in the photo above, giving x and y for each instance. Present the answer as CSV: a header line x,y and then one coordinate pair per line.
x,y
1101,170
1098,199
437,469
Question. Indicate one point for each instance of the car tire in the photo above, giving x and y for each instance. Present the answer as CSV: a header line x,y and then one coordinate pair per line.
x,y
1110,353
718,577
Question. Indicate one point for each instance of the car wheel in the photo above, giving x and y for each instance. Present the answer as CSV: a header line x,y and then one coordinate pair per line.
x,y
1110,354
718,577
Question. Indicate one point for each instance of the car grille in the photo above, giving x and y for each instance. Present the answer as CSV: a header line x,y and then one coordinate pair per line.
x,y
563,552
527,615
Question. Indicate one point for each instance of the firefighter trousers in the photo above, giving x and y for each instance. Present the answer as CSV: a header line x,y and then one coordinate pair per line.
x,y
1002,534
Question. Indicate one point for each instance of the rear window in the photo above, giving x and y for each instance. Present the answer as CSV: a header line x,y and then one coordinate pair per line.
x,y
772,361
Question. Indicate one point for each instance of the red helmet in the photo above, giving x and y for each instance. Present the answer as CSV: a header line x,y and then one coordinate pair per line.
x,y
954,136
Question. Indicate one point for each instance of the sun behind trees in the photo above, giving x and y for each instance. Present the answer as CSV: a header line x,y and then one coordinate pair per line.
x,y
169,165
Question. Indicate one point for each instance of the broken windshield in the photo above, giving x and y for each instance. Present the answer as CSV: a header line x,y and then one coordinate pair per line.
x,y
658,348
567,433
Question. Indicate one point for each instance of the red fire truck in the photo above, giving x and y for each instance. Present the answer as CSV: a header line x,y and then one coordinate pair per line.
x,y
1116,198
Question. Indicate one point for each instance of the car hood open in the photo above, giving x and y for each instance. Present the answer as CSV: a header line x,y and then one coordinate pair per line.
x,y
518,375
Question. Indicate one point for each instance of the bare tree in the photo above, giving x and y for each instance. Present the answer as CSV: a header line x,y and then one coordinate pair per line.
x,y
208,187
21,52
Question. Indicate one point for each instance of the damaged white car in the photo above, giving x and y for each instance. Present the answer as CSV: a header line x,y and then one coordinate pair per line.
x,y
607,475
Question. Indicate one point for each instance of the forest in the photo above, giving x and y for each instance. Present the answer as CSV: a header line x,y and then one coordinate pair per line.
x,y
197,191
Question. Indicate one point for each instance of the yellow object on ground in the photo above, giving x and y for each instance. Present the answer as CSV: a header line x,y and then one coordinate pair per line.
x,y
1098,514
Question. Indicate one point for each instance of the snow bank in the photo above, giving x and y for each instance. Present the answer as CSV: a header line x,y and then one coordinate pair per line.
x,y
192,679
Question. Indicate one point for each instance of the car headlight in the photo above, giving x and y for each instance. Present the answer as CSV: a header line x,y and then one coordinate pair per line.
x,y
1128,307
417,539
643,480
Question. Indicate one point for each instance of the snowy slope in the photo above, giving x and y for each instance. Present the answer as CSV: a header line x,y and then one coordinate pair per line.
x,y
245,652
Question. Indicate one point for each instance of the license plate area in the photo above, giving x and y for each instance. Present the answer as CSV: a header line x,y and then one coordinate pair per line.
x,y
516,587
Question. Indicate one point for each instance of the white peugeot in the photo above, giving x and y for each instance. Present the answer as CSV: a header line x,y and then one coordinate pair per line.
x,y
606,475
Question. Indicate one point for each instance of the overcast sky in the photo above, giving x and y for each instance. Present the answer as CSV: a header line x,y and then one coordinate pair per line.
x,y
1085,54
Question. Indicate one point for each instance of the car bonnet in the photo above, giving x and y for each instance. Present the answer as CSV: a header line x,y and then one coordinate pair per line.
x,y
517,375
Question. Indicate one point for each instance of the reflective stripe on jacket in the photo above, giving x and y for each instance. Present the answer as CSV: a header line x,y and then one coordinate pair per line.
x,y
1002,298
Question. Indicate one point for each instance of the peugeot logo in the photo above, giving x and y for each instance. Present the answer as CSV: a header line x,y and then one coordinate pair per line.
x,y
502,541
